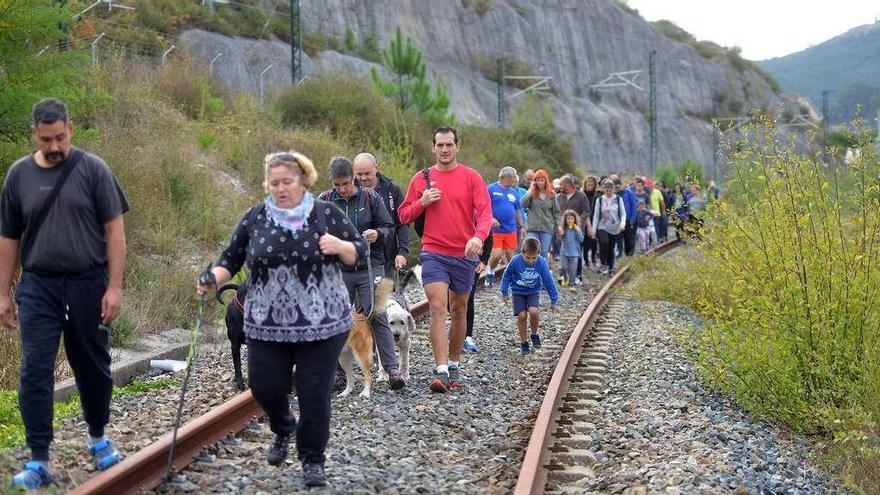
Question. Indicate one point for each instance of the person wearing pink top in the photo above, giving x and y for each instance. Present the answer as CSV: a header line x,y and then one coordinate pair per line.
x,y
458,216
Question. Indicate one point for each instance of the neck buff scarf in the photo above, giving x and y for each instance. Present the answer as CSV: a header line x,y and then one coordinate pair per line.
x,y
293,219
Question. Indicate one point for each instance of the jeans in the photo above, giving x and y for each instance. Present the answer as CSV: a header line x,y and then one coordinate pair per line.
x,y
50,307
358,285
269,376
545,238
568,267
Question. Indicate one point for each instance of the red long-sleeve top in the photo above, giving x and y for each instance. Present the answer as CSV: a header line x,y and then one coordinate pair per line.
x,y
463,212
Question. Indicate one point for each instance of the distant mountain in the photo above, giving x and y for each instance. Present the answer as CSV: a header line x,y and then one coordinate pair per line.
x,y
848,64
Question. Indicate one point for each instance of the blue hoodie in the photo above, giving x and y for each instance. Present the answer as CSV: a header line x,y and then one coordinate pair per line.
x,y
528,279
629,202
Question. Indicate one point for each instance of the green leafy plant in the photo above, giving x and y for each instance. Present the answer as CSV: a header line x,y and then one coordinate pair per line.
x,y
786,276
408,86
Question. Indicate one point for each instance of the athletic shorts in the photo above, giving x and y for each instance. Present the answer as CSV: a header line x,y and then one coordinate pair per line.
x,y
455,271
507,240
524,302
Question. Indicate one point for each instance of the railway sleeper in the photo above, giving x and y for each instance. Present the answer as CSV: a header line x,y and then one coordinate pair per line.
x,y
570,474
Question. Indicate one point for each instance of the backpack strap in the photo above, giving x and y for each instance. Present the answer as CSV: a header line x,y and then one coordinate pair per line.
x,y
36,222
426,174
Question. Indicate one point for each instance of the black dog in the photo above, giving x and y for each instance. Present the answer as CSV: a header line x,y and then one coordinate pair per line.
x,y
235,326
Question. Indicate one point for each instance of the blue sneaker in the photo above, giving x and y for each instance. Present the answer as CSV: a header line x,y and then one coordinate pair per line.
x,y
105,454
470,345
490,279
536,341
33,476
524,348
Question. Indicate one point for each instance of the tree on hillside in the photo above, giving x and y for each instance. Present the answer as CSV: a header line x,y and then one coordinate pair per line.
x,y
31,66
409,86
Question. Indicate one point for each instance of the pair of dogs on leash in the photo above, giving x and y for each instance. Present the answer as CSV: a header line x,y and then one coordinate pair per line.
x,y
388,298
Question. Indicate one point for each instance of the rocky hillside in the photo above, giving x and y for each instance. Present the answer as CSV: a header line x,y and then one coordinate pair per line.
x,y
576,42
846,64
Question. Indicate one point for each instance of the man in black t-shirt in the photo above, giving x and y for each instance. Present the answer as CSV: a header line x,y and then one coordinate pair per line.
x,y
71,283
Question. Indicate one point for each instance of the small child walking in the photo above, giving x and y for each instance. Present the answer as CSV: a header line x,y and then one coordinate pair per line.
x,y
645,232
571,250
525,276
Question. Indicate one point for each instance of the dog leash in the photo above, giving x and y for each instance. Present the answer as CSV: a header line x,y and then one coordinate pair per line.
x,y
205,278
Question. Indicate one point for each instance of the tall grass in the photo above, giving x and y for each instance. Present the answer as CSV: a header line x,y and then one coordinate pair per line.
x,y
788,278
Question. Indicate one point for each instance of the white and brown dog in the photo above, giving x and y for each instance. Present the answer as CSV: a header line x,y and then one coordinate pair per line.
x,y
402,323
359,345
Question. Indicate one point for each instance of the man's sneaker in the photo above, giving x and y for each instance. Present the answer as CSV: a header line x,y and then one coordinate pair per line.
x,y
536,341
455,380
339,380
490,278
395,380
470,345
577,281
33,476
278,450
313,474
524,348
105,454
440,383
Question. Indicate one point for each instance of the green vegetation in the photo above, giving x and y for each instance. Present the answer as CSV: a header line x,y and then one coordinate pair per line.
x,y
786,278
147,30
846,64
624,6
25,30
409,87
674,31
12,430
188,155
713,51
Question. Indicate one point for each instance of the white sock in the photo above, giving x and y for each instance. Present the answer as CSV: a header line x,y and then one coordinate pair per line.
x,y
453,363
442,368
95,440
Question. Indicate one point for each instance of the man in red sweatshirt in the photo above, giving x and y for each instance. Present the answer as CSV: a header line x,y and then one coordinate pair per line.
x,y
458,216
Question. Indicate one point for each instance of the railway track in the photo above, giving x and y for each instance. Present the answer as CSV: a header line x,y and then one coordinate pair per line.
x,y
546,458
556,453
146,469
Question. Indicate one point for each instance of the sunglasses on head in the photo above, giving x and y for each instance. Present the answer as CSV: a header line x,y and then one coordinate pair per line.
x,y
282,157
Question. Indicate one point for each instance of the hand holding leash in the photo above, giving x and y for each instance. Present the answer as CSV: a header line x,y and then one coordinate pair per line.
x,y
207,281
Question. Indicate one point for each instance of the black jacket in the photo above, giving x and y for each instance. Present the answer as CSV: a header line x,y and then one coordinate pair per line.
x,y
365,210
392,196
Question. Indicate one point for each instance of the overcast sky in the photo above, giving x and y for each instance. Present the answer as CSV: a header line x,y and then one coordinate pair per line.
x,y
762,28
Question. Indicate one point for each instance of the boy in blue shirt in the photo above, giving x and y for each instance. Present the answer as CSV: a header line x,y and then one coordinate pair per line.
x,y
525,276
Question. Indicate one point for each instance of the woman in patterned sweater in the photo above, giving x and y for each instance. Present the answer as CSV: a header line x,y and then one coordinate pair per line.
x,y
297,311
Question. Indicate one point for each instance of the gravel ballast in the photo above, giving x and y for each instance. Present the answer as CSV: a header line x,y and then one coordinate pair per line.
x,y
655,429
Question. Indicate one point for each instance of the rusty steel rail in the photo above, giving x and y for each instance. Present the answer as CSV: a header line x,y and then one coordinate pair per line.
x,y
146,469
533,475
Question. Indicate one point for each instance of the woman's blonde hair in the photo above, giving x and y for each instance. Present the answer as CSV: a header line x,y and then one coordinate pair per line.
x,y
294,161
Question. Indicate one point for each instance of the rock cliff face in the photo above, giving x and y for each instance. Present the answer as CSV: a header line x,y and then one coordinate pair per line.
x,y
576,42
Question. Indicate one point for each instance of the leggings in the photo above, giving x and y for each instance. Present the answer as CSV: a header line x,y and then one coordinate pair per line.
x,y
470,307
607,241
591,247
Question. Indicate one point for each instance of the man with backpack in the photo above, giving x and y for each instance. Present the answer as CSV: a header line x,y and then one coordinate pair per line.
x,y
365,209
61,216
453,202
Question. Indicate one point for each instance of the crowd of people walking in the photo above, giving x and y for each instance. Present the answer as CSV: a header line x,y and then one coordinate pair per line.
x,y
310,257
